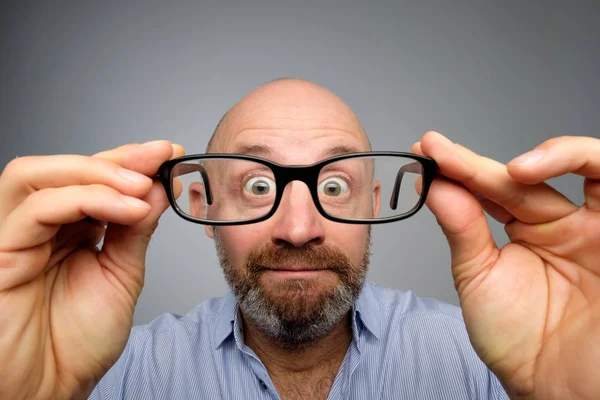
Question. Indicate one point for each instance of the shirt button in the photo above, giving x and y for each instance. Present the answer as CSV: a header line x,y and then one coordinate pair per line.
x,y
262,384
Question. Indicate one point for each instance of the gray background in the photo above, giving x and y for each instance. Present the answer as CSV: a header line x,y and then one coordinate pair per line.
x,y
496,76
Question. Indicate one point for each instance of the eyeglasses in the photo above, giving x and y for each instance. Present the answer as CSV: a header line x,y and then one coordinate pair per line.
x,y
357,188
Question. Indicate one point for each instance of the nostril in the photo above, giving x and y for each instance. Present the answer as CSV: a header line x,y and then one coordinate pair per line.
x,y
280,242
317,241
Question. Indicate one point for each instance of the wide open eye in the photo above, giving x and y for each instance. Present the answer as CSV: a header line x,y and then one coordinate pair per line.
x,y
333,187
260,185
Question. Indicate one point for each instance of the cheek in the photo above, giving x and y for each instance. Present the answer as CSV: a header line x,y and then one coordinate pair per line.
x,y
350,239
239,241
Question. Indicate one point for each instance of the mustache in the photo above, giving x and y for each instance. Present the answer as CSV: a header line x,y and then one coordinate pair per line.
x,y
308,257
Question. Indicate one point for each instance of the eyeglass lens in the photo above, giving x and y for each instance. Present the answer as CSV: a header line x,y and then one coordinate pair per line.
x,y
227,189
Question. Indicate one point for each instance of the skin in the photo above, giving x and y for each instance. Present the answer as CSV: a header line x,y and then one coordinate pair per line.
x,y
531,308
299,123
67,308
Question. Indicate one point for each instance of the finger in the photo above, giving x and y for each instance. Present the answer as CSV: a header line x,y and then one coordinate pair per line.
x,y
124,249
67,232
494,210
416,148
79,235
562,240
144,158
461,217
118,168
38,218
19,267
591,193
559,156
529,203
25,175
556,157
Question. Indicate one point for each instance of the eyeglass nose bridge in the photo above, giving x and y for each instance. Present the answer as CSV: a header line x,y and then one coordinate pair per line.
x,y
309,175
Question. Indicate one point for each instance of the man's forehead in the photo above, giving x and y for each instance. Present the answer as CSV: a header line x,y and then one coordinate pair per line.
x,y
289,114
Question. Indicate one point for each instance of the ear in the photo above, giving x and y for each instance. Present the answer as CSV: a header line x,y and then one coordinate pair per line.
x,y
198,206
197,200
376,198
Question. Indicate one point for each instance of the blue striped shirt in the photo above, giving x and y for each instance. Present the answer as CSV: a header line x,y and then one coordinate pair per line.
x,y
403,347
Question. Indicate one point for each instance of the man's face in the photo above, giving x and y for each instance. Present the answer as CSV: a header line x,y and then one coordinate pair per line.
x,y
296,274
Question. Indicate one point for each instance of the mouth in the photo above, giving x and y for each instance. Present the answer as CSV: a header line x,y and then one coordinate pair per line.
x,y
295,272
294,268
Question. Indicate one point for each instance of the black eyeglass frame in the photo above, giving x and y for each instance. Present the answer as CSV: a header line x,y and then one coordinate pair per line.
x,y
309,174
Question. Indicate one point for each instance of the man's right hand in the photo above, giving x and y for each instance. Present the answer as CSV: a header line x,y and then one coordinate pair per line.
x,y
66,307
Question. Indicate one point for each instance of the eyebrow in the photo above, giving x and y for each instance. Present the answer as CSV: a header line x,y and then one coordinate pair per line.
x,y
261,150
338,150
255,150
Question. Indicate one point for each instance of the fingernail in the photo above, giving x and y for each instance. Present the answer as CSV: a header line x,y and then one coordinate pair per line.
x,y
137,203
444,141
415,147
178,148
528,158
419,185
132,176
152,143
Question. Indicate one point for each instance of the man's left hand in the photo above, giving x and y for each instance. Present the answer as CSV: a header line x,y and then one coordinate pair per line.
x,y
531,308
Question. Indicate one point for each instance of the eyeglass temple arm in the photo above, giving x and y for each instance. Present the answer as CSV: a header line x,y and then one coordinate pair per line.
x,y
414,167
183,168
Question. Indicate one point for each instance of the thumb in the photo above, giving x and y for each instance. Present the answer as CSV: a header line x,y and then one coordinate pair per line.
x,y
461,217
125,246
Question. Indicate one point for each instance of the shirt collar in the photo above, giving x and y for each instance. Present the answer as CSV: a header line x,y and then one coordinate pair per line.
x,y
366,310
225,318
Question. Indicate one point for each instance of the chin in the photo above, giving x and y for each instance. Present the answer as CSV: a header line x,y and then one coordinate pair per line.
x,y
299,288
299,298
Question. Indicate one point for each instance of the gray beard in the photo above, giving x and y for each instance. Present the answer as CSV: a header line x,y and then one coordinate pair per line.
x,y
292,334
289,332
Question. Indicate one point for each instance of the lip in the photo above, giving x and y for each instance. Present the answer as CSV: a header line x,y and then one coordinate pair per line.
x,y
295,273
295,268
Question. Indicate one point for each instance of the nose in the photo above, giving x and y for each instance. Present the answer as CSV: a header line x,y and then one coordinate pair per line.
x,y
297,220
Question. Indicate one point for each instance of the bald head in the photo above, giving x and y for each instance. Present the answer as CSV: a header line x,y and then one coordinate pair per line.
x,y
287,107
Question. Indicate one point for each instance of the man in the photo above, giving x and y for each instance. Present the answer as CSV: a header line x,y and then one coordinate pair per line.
x,y
300,321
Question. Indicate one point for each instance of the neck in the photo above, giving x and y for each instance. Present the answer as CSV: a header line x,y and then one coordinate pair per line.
x,y
279,360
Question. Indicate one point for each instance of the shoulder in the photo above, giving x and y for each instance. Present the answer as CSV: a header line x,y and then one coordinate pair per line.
x,y
420,328
407,302
170,334
170,342
202,315
409,323
405,308
426,323
425,340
